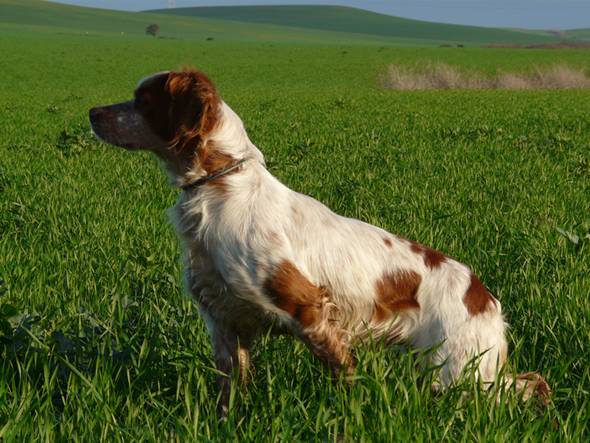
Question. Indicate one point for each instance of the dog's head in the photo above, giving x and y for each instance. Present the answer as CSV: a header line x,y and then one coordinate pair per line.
x,y
171,115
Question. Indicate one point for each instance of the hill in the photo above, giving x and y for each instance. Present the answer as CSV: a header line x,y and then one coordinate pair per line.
x,y
297,24
345,19
19,15
578,34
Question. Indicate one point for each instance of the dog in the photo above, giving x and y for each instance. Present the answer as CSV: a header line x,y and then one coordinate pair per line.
x,y
259,256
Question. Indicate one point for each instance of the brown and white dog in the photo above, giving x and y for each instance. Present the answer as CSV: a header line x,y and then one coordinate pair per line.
x,y
259,255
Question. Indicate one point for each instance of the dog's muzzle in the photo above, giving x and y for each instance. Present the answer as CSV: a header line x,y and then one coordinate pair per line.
x,y
121,125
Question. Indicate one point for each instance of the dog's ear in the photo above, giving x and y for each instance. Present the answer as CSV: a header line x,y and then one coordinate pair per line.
x,y
194,107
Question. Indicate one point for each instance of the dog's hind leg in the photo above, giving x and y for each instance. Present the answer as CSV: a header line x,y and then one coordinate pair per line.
x,y
307,312
481,340
329,343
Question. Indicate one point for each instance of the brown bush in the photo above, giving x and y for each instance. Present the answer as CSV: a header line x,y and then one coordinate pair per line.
x,y
561,77
443,76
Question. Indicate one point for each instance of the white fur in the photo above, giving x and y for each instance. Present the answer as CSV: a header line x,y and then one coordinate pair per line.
x,y
234,240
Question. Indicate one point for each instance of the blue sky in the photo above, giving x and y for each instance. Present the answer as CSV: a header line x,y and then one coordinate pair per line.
x,y
539,14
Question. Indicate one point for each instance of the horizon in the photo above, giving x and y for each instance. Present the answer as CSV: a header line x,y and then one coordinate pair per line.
x,y
524,14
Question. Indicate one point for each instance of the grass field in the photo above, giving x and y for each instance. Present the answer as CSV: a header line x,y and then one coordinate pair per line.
x,y
97,340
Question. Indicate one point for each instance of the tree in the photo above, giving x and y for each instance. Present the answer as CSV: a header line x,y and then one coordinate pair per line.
x,y
153,30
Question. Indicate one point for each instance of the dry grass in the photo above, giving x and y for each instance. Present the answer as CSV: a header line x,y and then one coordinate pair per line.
x,y
443,76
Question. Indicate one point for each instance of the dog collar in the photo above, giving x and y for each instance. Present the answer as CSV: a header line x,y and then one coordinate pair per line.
x,y
215,175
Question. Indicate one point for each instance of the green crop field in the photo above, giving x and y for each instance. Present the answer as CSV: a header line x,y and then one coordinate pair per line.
x,y
98,340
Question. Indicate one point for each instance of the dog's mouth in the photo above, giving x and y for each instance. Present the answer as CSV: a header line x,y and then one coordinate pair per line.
x,y
121,125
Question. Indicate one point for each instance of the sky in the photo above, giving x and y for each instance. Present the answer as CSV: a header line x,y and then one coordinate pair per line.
x,y
531,14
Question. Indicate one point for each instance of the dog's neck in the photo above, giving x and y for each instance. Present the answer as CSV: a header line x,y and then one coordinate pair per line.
x,y
216,175
226,150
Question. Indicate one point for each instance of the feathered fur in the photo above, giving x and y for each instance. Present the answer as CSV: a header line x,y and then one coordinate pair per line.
x,y
259,255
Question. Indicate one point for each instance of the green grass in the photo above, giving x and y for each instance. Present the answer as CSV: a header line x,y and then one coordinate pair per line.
x,y
97,340
344,19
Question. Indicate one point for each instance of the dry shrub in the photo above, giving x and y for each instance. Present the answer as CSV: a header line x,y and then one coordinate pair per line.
x,y
561,77
443,76
512,81
430,76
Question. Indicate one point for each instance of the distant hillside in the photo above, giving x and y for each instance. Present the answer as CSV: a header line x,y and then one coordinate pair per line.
x,y
20,15
351,20
295,24
578,34
74,18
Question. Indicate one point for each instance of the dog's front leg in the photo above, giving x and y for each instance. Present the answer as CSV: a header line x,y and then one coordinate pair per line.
x,y
231,355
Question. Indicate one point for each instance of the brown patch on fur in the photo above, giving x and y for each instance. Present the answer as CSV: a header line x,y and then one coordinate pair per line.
x,y
432,258
182,108
194,112
293,293
416,247
212,160
194,105
380,313
387,242
477,299
396,292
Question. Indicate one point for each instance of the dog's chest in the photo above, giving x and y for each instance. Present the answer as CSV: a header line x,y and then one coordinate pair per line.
x,y
205,280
